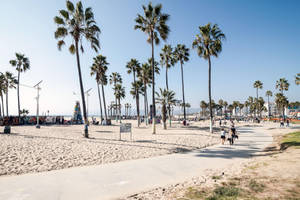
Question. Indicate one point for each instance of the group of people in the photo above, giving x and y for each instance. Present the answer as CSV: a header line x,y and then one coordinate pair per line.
x,y
231,135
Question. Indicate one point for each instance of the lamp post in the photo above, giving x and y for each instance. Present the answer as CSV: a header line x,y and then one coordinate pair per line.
x,y
37,86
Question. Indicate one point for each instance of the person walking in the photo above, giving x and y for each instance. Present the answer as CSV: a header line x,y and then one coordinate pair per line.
x,y
287,123
223,135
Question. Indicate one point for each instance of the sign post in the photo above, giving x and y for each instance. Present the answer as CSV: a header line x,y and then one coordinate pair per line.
x,y
125,128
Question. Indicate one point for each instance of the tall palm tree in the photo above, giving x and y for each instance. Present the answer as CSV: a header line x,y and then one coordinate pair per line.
x,y
145,78
281,101
235,105
10,82
133,67
79,24
246,105
2,91
167,60
22,64
99,69
209,43
282,84
221,102
181,54
203,106
297,79
114,79
269,94
153,23
241,106
164,98
120,94
225,104
258,85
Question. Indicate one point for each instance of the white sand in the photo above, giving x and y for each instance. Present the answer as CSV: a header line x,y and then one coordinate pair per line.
x,y
29,150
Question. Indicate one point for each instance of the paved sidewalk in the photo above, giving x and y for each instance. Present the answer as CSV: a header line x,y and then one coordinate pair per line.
x,y
116,180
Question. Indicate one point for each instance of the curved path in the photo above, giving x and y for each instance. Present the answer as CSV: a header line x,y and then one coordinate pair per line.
x,y
117,180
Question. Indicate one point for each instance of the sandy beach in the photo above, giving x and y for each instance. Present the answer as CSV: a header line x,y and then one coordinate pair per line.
x,y
29,150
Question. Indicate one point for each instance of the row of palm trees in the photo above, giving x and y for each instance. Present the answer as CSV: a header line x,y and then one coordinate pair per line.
x,y
9,81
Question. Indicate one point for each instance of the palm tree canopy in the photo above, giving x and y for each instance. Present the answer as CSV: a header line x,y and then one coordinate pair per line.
x,y
203,105
282,84
136,87
181,53
281,100
119,91
115,78
99,69
165,97
145,74
269,93
78,23
166,56
153,23
9,81
258,84
209,41
133,66
21,62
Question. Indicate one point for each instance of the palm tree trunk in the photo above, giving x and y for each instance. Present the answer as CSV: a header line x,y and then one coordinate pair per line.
x,y
82,91
2,106
153,89
104,103
18,90
182,84
163,109
167,86
209,95
100,104
137,100
146,104
120,110
7,102
256,102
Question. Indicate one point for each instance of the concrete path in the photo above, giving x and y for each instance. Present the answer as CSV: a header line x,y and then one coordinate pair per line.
x,y
116,180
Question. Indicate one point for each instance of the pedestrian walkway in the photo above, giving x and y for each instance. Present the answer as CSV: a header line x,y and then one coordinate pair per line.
x,y
116,180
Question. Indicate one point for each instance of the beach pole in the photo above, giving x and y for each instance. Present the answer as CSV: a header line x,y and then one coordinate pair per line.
x,y
37,86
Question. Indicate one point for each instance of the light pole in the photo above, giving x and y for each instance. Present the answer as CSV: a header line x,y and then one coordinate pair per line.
x,y
37,86
87,103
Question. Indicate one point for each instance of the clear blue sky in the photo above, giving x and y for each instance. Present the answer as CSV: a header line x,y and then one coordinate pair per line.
x,y
263,41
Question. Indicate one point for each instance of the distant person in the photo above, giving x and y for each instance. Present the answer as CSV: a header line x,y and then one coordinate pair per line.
x,y
223,135
225,122
281,123
232,135
287,123
220,122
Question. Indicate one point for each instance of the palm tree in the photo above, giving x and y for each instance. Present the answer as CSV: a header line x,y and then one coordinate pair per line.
x,y
241,106
181,54
281,101
225,104
153,23
297,79
167,60
133,67
235,104
221,102
258,85
282,84
209,43
165,98
22,64
203,106
120,94
246,105
145,78
2,91
115,78
99,69
79,24
10,82
269,94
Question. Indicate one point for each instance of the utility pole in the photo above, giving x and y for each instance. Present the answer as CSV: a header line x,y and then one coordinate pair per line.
x,y
37,86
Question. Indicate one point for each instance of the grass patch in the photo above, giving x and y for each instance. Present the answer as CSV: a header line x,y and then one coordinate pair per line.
x,y
216,177
290,140
224,193
255,186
